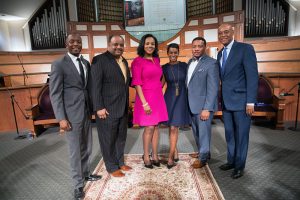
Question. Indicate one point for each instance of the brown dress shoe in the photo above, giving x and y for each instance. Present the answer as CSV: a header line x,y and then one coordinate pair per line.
x,y
198,164
117,173
194,155
125,168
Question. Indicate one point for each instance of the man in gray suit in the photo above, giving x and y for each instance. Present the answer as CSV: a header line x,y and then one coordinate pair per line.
x,y
202,83
71,104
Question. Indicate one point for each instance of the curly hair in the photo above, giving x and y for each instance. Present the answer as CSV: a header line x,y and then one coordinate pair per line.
x,y
141,50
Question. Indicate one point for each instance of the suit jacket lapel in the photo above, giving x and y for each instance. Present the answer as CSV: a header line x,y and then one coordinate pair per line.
x,y
72,67
88,68
218,60
186,78
127,72
228,66
199,65
116,65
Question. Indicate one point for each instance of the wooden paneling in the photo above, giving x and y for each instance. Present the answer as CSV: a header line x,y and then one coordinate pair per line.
x,y
37,66
31,80
271,44
29,68
279,67
22,96
284,55
29,58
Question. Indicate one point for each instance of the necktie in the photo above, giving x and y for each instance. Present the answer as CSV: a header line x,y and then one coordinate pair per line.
x,y
81,71
224,58
123,67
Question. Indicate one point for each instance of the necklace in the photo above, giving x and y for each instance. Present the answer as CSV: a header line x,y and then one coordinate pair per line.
x,y
176,83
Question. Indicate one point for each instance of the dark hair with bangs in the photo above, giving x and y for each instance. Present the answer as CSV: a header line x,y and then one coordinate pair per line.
x,y
140,49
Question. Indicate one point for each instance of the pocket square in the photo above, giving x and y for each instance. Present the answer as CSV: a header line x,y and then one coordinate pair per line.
x,y
202,70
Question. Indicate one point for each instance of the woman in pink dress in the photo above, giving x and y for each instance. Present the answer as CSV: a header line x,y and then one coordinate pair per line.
x,y
149,107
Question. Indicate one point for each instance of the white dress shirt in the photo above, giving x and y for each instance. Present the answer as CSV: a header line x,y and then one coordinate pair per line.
x,y
74,60
228,49
191,69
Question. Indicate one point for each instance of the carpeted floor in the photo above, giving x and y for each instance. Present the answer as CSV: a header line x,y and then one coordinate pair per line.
x,y
39,168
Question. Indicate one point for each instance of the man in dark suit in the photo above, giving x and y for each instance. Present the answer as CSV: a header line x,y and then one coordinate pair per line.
x,y
202,84
239,78
71,104
110,83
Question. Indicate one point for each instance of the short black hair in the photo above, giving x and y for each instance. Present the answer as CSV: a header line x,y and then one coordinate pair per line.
x,y
173,45
111,36
200,38
72,34
140,49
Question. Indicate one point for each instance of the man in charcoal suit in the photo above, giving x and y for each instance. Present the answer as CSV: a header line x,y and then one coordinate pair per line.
x,y
239,78
69,94
110,83
202,84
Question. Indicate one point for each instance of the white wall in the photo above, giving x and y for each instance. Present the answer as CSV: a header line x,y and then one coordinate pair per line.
x,y
27,37
294,22
4,36
12,36
17,39
297,26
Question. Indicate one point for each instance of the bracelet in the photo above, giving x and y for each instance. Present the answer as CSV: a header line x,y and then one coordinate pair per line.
x,y
145,104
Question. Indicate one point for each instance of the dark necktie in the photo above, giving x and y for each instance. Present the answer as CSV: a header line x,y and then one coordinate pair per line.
x,y
81,70
224,58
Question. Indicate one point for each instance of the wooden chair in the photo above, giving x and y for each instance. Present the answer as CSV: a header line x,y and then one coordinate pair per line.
x,y
41,114
269,105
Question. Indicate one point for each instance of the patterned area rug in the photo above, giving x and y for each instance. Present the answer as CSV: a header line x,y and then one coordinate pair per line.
x,y
180,182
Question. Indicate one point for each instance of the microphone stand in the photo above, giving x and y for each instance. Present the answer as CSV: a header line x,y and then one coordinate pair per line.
x,y
13,101
296,120
24,78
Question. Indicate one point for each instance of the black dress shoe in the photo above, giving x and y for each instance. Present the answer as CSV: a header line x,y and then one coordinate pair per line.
x,y
150,166
171,165
78,193
226,167
237,174
93,177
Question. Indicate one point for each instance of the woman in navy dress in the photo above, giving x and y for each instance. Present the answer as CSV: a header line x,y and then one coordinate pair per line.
x,y
176,99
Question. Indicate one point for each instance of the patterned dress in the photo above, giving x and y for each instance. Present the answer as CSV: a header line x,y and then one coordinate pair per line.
x,y
147,74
